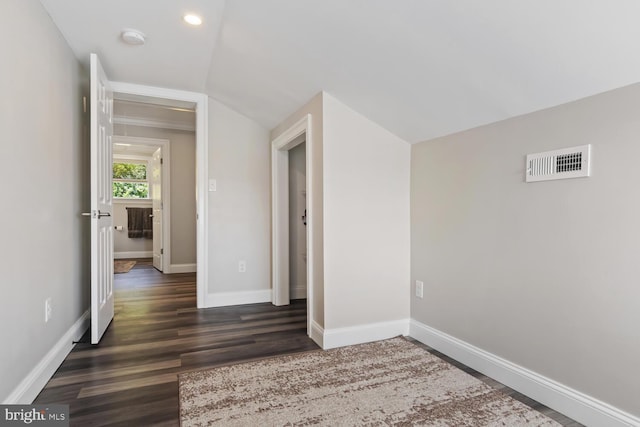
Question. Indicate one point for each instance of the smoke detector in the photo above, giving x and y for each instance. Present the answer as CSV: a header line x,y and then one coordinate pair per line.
x,y
133,37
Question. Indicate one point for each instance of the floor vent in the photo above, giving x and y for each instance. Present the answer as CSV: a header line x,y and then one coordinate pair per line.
x,y
559,164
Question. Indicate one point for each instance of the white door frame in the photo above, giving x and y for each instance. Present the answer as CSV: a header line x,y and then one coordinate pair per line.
x,y
166,189
202,169
280,213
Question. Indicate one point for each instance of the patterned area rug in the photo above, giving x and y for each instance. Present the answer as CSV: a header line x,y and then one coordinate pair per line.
x,y
122,266
392,382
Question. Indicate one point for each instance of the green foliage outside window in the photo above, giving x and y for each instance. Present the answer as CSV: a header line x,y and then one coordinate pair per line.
x,y
131,190
130,181
130,171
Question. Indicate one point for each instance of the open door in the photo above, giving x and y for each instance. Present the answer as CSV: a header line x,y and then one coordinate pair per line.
x,y
101,201
155,166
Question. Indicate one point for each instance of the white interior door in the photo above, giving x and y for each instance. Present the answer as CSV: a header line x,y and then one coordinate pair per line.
x,y
101,201
155,166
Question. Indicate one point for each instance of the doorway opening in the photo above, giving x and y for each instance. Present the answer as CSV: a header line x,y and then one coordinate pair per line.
x,y
142,200
188,239
142,125
298,222
103,92
284,216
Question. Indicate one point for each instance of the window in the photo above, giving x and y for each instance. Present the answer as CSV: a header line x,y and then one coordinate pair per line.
x,y
130,180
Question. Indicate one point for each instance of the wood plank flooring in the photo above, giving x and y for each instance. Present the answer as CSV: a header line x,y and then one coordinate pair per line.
x,y
130,378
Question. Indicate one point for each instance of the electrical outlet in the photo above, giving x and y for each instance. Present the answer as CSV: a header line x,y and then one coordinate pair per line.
x,y
47,310
419,288
242,266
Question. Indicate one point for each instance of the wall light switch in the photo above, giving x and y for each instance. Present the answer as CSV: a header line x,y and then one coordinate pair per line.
x,y
47,310
419,288
212,185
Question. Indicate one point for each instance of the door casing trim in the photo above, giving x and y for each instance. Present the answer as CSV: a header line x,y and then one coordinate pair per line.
x,y
280,147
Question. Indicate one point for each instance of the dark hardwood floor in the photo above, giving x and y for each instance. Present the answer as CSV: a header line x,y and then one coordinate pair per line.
x,y
131,377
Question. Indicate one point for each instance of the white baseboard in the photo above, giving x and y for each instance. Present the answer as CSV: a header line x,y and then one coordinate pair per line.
x,y
34,382
577,405
340,337
133,254
182,268
317,333
223,299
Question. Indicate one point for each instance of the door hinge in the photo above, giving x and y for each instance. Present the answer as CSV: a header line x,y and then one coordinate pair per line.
x,y
84,104
162,251
161,160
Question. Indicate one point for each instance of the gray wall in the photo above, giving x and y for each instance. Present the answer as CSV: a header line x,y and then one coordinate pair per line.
x,y
45,175
183,187
545,274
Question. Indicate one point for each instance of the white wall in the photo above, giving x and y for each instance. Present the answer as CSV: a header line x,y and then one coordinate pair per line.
x,y
240,209
544,274
366,220
45,175
361,185
297,229
183,187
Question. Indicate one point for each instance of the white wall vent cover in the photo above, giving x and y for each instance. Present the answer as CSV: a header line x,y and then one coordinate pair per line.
x,y
559,164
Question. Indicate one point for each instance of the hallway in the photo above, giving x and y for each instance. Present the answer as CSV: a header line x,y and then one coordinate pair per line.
x,y
130,378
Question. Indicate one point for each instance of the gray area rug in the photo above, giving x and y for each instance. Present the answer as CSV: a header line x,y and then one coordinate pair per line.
x,y
391,382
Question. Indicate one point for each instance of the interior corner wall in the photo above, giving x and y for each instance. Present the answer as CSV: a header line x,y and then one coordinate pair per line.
x,y
45,175
366,220
314,151
542,274
240,208
182,146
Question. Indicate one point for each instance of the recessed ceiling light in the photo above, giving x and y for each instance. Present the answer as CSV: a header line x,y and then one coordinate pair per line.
x,y
192,19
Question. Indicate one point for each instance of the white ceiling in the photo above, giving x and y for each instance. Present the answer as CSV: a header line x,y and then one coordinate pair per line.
x,y
123,150
420,68
175,55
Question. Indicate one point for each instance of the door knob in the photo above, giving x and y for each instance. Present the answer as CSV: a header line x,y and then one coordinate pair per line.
x,y
96,214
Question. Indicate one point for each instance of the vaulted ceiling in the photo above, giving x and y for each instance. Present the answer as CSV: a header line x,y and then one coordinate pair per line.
x,y
420,68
